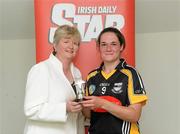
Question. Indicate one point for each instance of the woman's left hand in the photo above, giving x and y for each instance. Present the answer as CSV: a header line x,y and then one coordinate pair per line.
x,y
93,102
73,106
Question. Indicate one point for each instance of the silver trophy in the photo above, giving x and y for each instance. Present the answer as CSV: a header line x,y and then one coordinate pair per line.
x,y
80,89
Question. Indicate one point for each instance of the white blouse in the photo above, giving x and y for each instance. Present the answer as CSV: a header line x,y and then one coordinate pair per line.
x,y
47,91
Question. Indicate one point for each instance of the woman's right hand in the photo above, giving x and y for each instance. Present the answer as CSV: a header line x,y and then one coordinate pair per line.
x,y
73,107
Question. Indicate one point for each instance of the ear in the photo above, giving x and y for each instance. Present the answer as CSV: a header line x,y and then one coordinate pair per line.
x,y
54,46
121,48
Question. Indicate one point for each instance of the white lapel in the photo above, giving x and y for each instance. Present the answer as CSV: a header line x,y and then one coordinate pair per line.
x,y
59,69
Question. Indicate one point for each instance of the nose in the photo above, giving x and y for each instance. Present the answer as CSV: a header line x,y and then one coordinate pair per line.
x,y
71,44
108,47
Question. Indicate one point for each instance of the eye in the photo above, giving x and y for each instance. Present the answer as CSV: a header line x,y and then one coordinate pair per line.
x,y
103,44
76,43
66,41
114,44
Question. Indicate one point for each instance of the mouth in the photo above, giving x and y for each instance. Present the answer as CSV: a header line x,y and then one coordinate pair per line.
x,y
108,53
70,51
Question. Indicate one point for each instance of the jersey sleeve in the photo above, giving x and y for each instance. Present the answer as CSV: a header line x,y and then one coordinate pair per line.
x,y
135,88
90,88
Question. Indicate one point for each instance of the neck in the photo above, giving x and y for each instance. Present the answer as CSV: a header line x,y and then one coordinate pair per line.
x,y
66,63
109,66
66,66
67,71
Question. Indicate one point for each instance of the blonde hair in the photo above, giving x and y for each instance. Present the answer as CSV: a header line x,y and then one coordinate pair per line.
x,y
64,31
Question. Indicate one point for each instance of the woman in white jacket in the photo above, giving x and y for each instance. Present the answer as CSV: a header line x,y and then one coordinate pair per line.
x,y
50,105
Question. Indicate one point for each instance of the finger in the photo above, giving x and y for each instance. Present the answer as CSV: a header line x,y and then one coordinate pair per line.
x,y
88,105
88,97
92,108
77,109
74,103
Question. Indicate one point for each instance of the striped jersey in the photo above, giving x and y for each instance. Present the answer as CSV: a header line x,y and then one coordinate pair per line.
x,y
122,86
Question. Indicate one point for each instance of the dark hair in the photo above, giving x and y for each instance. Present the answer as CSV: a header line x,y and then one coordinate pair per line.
x,y
119,35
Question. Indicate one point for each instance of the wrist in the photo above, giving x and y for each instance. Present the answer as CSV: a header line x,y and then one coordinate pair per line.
x,y
103,103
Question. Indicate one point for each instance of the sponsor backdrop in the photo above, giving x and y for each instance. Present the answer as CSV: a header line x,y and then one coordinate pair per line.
x,y
90,17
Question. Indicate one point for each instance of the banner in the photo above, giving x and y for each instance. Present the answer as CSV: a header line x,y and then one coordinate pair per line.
x,y
90,17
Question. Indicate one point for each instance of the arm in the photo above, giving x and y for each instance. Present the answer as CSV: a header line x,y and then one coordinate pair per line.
x,y
54,112
131,113
37,105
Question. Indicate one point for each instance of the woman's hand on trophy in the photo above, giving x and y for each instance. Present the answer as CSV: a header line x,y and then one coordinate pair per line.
x,y
73,106
92,102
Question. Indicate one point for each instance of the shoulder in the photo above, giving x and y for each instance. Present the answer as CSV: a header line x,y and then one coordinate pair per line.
x,y
130,71
92,74
39,68
133,76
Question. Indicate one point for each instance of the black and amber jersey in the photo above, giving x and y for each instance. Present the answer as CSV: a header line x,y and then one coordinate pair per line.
x,y
122,86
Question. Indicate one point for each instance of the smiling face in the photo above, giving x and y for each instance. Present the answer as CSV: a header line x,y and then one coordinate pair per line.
x,y
67,48
66,42
110,48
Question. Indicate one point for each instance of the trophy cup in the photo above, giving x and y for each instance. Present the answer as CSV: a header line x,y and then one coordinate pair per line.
x,y
80,89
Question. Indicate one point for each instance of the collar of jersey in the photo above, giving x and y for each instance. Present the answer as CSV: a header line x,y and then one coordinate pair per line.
x,y
107,76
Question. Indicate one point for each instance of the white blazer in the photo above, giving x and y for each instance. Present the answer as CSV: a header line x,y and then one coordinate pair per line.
x,y
47,91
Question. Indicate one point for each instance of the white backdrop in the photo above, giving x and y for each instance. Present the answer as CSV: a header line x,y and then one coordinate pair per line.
x,y
158,58
0,87
17,58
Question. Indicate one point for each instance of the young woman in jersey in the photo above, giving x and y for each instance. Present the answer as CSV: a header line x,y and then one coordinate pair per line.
x,y
116,92
50,105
